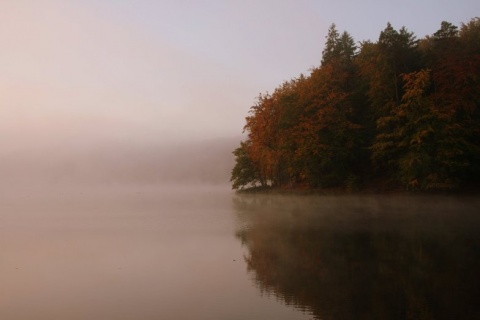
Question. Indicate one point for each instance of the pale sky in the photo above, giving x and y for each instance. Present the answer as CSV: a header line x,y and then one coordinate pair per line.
x,y
81,71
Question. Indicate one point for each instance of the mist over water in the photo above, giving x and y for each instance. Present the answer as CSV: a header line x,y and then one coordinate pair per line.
x,y
365,257
199,251
125,253
84,162
115,230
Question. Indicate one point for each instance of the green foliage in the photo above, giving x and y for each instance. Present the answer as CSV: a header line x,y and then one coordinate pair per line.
x,y
421,142
338,47
381,65
244,173
447,30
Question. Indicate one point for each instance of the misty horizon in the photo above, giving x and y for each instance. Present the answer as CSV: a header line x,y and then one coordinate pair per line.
x,y
206,161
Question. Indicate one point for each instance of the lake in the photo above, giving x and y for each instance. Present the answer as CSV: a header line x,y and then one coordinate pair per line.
x,y
207,253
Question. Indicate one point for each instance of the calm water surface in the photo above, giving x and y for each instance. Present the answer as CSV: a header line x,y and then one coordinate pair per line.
x,y
206,253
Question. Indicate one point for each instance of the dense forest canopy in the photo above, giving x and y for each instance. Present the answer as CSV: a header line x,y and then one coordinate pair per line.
x,y
400,111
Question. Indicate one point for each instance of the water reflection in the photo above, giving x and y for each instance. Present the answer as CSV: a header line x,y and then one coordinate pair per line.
x,y
365,257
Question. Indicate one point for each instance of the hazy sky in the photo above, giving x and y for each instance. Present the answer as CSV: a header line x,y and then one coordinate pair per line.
x,y
79,71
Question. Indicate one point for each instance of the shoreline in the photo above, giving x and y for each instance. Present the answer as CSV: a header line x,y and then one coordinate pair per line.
x,y
471,190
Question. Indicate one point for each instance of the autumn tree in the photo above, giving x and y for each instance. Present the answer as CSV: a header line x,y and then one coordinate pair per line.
x,y
397,109
269,127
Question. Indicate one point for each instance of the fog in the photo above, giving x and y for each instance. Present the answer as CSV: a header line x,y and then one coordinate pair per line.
x,y
132,72
203,162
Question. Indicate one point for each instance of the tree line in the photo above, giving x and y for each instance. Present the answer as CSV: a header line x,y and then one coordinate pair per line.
x,y
400,111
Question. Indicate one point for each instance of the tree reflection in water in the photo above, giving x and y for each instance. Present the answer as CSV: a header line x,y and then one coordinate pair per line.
x,y
365,257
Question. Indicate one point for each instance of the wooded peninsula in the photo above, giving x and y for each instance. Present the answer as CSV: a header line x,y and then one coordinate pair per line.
x,y
400,112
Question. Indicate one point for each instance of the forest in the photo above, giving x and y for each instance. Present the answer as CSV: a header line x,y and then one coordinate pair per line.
x,y
399,113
